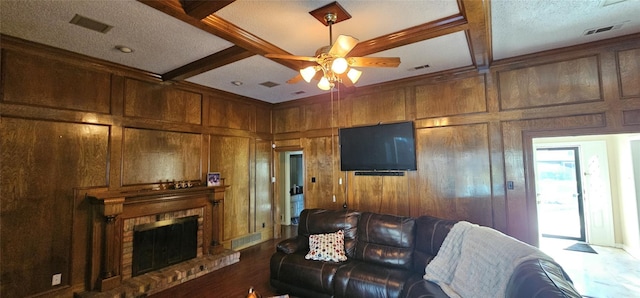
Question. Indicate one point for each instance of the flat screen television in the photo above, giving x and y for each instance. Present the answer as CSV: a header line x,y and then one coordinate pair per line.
x,y
382,147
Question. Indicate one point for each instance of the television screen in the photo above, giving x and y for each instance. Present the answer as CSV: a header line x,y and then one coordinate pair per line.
x,y
382,147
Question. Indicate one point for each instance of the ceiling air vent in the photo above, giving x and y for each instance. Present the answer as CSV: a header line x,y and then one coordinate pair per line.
x,y
603,29
419,67
90,24
269,84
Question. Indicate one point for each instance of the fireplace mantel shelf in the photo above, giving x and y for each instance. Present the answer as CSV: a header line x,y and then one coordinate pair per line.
x,y
154,194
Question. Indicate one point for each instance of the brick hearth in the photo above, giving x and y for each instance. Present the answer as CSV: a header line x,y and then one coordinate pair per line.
x,y
154,282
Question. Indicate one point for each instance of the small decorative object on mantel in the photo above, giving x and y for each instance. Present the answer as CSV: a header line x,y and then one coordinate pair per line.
x,y
178,185
213,179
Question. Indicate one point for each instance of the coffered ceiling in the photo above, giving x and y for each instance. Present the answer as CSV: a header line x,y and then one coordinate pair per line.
x,y
220,44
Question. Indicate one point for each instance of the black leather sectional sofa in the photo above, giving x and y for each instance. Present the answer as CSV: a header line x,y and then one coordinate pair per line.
x,y
386,257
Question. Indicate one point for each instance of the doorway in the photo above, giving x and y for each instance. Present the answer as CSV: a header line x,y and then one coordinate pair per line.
x,y
559,193
291,190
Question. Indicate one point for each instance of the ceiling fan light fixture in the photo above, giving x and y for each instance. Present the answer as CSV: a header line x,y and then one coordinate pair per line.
x,y
354,75
324,84
339,65
308,73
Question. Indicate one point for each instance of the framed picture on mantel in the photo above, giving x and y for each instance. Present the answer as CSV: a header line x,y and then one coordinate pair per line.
x,y
213,179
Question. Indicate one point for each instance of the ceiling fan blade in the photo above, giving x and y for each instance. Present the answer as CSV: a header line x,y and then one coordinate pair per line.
x,y
344,79
291,57
295,79
343,45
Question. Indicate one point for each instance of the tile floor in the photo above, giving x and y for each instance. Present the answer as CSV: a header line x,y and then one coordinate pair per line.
x,y
610,273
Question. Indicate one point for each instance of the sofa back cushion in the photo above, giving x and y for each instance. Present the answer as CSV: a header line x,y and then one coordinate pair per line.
x,y
322,221
430,233
386,240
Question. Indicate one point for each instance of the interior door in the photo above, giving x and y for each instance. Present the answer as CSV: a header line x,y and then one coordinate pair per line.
x,y
559,193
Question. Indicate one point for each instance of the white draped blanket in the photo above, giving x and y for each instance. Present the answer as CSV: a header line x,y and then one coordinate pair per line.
x,y
477,261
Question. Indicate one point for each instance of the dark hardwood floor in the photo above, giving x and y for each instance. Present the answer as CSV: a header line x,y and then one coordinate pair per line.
x,y
235,280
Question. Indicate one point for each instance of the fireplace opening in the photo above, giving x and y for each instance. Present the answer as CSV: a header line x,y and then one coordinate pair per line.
x,y
163,243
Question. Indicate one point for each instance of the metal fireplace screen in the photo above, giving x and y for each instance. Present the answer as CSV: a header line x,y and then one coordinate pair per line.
x,y
163,243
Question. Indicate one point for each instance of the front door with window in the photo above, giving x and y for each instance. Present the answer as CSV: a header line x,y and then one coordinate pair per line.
x,y
559,193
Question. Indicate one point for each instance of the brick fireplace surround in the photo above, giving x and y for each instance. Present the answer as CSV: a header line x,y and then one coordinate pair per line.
x,y
117,213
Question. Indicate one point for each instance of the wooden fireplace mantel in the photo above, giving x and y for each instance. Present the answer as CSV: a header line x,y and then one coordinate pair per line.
x,y
111,208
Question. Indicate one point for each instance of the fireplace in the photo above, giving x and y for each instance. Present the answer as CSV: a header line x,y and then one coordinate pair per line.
x,y
163,243
139,232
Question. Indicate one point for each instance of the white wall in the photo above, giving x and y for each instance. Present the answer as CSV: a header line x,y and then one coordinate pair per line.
x,y
630,229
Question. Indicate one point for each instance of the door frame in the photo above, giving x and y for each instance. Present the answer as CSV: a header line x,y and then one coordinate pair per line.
x,y
278,184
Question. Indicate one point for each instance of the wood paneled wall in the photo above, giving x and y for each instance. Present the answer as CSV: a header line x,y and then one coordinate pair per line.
x,y
86,123
473,132
69,123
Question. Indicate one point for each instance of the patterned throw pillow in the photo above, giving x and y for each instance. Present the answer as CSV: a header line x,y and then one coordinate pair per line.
x,y
327,247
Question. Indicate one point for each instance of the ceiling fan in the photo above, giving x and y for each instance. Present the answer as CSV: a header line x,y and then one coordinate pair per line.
x,y
332,65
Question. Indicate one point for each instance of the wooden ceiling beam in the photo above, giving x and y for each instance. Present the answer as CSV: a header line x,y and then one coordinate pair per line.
x,y
224,57
478,13
223,29
254,44
411,35
201,9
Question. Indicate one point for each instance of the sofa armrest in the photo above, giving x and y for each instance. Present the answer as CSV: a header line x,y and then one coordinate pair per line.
x,y
293,245
540,278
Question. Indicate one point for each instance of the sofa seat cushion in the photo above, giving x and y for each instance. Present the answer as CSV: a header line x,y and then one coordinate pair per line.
x,y
364,279
294,269
417,287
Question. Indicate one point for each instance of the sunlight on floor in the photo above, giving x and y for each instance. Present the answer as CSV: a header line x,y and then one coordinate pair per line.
x,y
611,272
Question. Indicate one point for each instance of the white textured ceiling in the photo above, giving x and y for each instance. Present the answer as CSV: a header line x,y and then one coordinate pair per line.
x,y
162,43
529,26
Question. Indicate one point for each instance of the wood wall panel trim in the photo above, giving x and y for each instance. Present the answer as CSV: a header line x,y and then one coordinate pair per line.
x,y
262,181
384,107
320,115
288,143
231,156
319,163
262,122
227,114
251,212
287,119
499,203
455,181
629,73
40,164
60,85
45,113
153,156
161,102
454,97
559,83
631,117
